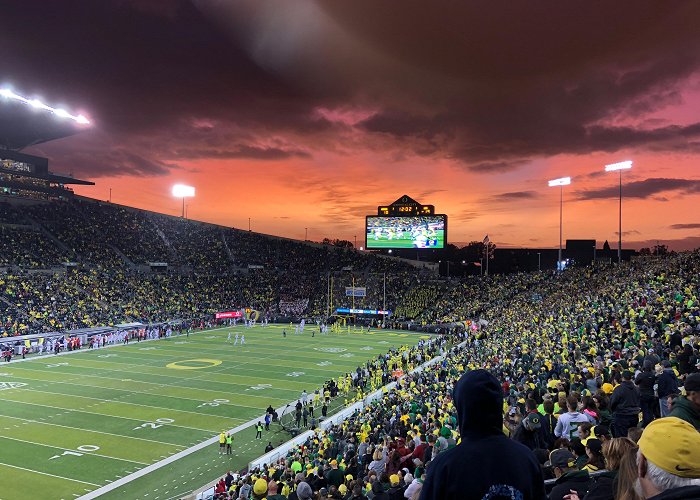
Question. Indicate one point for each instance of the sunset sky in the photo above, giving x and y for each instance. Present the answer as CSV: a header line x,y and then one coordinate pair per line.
x,y
309,114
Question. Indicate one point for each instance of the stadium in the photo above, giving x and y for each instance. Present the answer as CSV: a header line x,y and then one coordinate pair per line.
x,y
147,354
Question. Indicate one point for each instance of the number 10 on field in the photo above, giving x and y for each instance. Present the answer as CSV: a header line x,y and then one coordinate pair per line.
x,y
85,448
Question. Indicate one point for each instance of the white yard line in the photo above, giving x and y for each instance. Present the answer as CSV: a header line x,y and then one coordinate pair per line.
x,y
153,467
47,474
68,410
63,448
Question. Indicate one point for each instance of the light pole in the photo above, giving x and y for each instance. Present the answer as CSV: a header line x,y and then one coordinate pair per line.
x,y
539,261
182,191
561,182
619,167
306,234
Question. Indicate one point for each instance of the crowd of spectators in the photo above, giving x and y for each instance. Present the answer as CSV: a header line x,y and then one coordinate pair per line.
x,y
82,263
589,379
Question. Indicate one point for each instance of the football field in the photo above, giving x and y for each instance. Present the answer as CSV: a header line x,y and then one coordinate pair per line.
x,y
405,242
71,424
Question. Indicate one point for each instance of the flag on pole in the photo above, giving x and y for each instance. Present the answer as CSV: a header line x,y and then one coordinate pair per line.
x,y
486,239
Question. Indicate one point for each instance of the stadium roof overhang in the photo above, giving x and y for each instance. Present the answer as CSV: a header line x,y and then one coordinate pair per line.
x,y
22,126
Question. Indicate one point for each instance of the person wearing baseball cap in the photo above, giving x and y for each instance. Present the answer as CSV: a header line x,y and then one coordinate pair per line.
x,y
334,476
569,478
688,407
668,461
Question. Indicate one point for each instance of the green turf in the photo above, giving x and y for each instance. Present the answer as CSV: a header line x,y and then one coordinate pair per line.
x,y
86,419
383,242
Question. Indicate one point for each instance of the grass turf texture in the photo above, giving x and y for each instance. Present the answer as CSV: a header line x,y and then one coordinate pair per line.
x,y
86,419
383,242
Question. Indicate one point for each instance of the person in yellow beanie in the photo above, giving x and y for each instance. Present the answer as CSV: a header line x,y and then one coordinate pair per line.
x,y
395,489
260,489
668,461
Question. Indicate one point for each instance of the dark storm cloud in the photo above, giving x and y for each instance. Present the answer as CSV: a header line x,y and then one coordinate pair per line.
x,y
685,226
514,196
680,244
643,189
243,151
489,84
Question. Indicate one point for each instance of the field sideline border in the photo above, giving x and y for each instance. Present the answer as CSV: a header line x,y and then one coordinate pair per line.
x,y
173,458
88,349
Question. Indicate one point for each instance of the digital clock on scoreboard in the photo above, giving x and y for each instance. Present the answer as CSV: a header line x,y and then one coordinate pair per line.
x,y
406,210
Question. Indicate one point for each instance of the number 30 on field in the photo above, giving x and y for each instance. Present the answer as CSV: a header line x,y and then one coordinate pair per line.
x,y
85,448
154,425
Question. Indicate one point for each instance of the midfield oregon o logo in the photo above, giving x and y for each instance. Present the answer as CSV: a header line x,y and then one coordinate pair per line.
x,y
193,364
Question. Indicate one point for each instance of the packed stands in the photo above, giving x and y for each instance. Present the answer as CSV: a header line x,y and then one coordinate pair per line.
x,y
563,348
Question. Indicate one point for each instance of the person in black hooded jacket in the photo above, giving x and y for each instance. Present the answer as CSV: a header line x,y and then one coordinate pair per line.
x,y
485,463
645,381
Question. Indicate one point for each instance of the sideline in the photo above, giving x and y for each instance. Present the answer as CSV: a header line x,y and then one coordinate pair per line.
x,y
50,355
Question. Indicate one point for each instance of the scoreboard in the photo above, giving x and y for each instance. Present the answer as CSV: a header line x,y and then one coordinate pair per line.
x,y
405,224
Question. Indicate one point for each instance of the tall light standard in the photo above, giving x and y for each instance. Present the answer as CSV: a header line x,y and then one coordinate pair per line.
x,y
182,191
619,167
561,182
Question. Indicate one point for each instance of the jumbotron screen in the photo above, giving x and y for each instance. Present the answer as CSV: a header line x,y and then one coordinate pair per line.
x,y
426,231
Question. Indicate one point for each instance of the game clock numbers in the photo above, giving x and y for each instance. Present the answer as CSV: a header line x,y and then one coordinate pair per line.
x,y
406,210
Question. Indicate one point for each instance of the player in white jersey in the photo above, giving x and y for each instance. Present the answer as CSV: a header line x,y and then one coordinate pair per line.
x,y
235,341
242,339
229,337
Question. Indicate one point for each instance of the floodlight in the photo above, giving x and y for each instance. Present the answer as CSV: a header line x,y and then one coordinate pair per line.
x,y
36,103
563,181
182,191
623,165
619,167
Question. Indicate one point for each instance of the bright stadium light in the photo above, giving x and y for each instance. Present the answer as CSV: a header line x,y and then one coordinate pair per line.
x,y
37,104
561,182
614,167
183,191
619,167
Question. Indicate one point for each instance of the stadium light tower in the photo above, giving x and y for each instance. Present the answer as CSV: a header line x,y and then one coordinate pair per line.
x,y
182,191
619,167
561,182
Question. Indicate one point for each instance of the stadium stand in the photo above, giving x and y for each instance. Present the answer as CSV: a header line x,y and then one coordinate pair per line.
x,y
583,358
560,347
